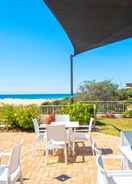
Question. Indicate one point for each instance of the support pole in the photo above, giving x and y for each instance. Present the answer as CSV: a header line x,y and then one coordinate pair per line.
x,y
71,77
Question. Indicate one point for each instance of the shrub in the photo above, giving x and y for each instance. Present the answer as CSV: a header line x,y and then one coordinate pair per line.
x,y
128,114
79,112
7,116
19,116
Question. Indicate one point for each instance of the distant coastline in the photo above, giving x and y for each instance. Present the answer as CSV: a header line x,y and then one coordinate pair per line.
x,y
33,96
27,99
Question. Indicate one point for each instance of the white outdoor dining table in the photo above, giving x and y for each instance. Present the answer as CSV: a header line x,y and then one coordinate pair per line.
x,y
69,124
127,153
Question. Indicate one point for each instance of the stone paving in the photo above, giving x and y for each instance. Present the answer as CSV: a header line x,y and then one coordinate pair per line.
x,y
81,169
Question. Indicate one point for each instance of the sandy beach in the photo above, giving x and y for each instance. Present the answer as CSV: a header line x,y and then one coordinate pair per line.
x,y
24,101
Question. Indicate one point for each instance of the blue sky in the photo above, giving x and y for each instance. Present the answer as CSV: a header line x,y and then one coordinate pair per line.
x,y
34,53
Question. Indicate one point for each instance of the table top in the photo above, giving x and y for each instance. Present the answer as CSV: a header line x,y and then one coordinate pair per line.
x,y
69,124
127,152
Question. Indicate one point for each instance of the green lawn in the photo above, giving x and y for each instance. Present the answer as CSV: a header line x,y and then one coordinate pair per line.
x,y
113,126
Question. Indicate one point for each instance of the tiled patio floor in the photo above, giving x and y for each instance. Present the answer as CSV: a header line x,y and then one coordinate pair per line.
x,y
79,171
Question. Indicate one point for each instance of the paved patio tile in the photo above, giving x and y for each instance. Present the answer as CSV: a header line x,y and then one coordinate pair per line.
x,y
81,172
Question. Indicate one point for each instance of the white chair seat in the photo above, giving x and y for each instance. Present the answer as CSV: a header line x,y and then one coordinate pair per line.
x,y
3,173
10,173
42,136
111,176
56,139
119,172
81,137
120,176
16,175
56,144
121,179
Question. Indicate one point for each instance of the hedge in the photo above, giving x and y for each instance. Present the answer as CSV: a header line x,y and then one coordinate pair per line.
x,y
79,112
19,116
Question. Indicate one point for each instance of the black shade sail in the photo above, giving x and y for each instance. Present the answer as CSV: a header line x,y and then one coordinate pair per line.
x,y
93,23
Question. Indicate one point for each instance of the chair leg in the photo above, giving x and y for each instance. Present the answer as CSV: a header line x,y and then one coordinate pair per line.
x,y
73,148
91,142
65,152
92,147
21,178
93,152
83,155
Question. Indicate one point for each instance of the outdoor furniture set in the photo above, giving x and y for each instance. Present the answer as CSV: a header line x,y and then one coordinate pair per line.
x,y
61,134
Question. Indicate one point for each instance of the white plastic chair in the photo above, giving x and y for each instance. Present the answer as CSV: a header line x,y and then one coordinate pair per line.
x,y
99,152
112,176
40,136
9,174
56,139
126,138
126,141
83,136
62,118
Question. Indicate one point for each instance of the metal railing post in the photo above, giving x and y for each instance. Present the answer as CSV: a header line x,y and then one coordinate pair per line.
x,y
71,78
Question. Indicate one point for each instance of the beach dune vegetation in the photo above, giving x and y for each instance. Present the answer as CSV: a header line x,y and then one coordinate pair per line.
x,y
19,116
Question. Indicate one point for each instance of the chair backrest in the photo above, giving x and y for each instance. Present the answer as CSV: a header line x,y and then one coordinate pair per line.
x,y
102,177
126,138
14,161
36,126
62,117
93,145
91,124
56,132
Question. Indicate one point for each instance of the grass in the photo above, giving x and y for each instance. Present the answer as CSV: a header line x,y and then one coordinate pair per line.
x,y
113,126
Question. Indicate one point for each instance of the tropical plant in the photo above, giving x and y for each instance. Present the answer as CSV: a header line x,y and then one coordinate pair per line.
x,y
79,112
19,116
128,114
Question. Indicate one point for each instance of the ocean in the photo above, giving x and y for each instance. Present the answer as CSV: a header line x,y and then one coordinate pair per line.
x,y
33,96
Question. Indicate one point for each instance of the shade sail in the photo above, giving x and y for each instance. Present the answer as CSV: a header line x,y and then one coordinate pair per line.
x,y
93,23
